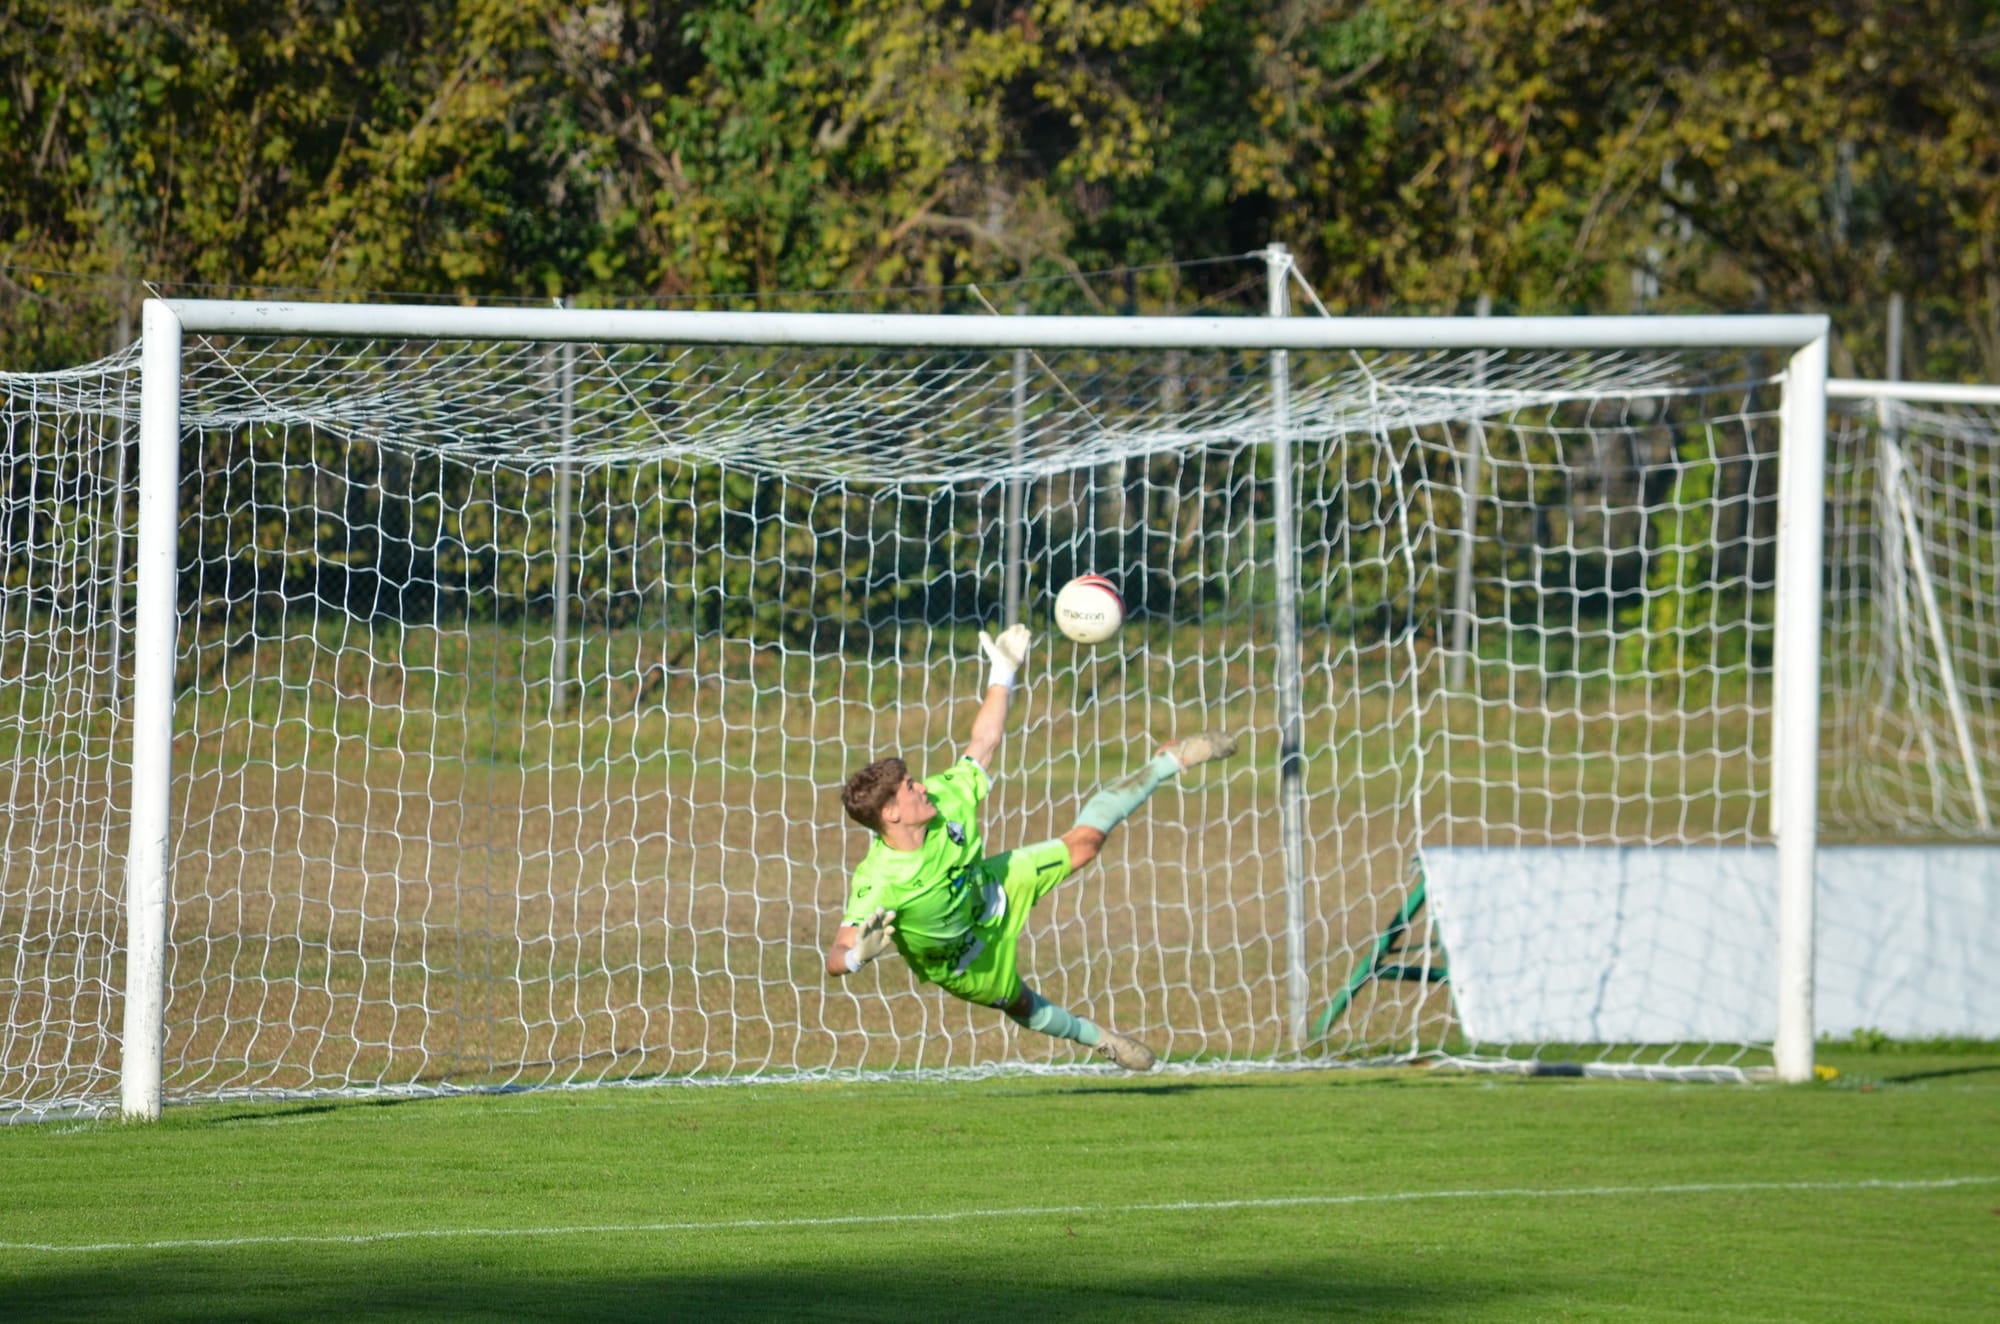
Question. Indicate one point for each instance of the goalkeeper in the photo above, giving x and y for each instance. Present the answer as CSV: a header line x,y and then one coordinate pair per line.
x,y
927,889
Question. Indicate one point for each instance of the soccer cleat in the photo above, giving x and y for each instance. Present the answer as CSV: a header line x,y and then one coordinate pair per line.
x,y
1201,748
1127,1053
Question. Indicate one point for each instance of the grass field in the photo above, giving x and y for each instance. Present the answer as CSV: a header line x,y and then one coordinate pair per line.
x,y
1404,1194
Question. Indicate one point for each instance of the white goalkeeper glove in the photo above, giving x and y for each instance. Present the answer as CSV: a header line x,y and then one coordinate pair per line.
x,y
1008,653
872,941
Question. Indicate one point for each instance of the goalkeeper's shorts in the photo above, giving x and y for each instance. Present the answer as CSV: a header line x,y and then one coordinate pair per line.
x,y
1016,880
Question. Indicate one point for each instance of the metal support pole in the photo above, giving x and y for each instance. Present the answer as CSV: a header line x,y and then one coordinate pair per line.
x,y
1014,508
1795,734
1893,590
1151,503
1468,522
118,503
1291,712
559,663
147,861
1895,346
1899,543
1961,721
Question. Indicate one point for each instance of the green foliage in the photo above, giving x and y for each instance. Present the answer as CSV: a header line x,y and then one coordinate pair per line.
x,y
1692,621
1413,154
866,152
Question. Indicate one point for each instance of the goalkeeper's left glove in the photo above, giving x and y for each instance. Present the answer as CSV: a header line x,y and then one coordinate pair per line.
x,y
1008,653
872,941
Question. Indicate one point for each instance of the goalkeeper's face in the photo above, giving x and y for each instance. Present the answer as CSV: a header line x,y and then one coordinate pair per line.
x,y
909,805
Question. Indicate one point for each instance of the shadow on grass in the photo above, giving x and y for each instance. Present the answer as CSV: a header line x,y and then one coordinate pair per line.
x,y
1368,1078
268,1112
494,1283
1161,1088
1915,1076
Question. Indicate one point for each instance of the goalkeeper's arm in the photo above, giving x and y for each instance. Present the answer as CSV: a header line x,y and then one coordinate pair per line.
x,y
1006,653
855,945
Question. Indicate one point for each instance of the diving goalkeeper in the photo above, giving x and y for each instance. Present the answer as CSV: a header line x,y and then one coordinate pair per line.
x,y
927,889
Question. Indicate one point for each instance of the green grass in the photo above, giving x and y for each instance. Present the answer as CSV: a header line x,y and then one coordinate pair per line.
x,y
1403,1194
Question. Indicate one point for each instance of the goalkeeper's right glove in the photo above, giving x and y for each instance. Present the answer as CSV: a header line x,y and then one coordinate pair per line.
x,y
872,941
1008,652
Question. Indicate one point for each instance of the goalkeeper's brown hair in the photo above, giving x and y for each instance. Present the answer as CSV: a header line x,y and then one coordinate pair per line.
x,y
868,790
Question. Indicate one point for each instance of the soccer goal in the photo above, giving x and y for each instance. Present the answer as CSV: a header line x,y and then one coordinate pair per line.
x,y
430,698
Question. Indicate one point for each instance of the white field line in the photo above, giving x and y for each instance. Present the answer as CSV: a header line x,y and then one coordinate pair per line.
x,y
1019,1211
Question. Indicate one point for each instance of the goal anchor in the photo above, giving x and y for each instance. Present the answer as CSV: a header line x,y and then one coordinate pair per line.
x,y
1385,963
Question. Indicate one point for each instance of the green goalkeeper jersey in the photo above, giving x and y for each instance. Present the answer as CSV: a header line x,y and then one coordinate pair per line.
x,y
938,891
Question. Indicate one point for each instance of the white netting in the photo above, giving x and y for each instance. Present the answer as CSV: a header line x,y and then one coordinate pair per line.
x,y
1912,723
404,857
932,417
64,768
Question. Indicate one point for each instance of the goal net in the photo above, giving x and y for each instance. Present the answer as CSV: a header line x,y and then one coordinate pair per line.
x,y
1913,615
513,683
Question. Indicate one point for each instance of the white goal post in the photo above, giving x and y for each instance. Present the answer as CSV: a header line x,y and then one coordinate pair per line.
x,y
785,528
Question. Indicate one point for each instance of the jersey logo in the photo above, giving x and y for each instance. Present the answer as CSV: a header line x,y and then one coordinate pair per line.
x,y
956,831
967,953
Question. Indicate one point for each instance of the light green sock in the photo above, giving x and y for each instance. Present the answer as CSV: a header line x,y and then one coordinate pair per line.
x,y
1116,799
1052,1020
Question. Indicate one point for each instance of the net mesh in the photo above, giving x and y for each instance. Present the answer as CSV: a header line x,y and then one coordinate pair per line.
x,y
516,684
1912,725
64,770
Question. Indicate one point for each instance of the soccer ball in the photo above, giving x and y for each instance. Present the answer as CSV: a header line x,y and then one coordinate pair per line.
x,y
1089,609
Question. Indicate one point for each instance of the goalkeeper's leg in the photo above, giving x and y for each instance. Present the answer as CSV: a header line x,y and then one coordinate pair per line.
x,y
1116,800
990,977
1032,1011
